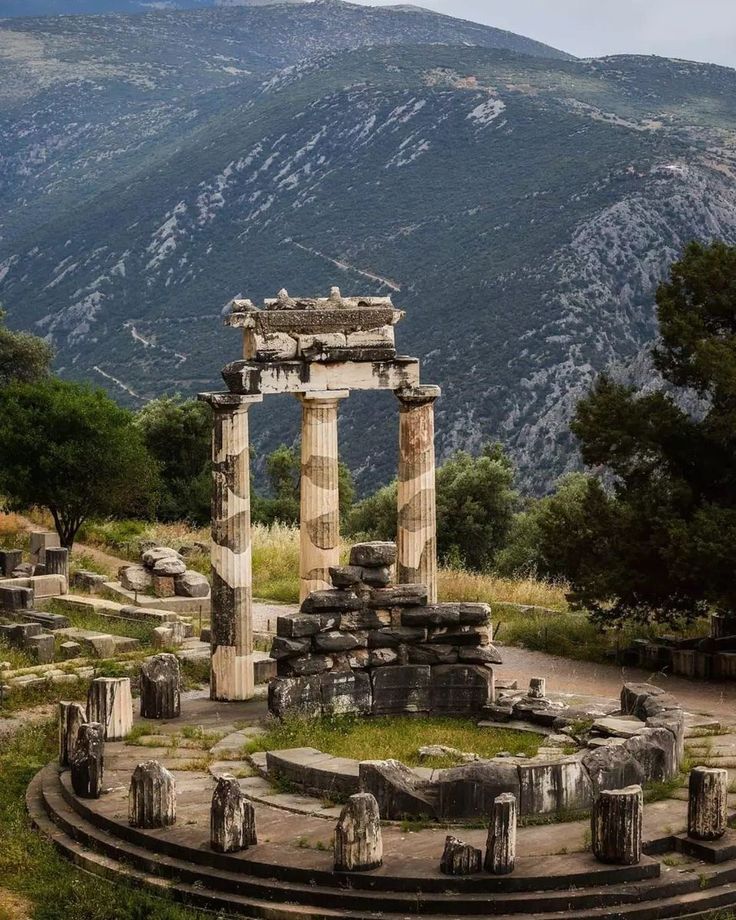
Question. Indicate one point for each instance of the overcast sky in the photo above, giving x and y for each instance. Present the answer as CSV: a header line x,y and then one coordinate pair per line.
x,y
700,30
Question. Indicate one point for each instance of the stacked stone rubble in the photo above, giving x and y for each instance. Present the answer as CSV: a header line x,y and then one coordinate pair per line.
x,y
163,572
367,646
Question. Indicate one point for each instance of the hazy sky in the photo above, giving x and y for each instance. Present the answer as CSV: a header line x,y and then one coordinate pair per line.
x,y
700,30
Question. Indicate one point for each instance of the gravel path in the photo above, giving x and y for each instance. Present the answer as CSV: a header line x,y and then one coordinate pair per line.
x,y
713,698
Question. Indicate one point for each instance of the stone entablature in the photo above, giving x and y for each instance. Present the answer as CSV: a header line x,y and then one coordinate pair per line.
x,y
367,646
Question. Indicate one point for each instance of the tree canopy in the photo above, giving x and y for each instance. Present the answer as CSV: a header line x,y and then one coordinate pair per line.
x,y
71,449
662,543
23,357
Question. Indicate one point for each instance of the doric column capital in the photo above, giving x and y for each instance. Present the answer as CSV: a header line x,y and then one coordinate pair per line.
x,y
228,402
413,397
322,398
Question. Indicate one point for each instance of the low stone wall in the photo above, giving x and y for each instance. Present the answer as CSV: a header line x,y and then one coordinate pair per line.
x,y
642,743
372,648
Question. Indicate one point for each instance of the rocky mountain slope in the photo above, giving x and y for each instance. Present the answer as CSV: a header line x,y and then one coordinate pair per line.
x,y
521,209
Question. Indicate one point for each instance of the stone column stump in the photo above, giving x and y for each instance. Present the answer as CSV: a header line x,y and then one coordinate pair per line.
x,y
707,810
616,826
71,717
152,796
88,761
10,559
232,818
537,688
57,561
460,858
501,844
358,840
416,494
319,545
110,703
161,688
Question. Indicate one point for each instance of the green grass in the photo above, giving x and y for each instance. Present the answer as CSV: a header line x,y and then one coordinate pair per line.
x,y
15,657
29,864
47,693
399,738
134,629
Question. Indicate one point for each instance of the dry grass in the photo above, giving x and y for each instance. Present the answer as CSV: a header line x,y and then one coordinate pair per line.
x,y
12,532
461,585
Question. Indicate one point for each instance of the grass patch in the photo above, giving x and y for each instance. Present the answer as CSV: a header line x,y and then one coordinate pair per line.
x,y
15,657
392,737
13,534
195,673
29,865
462,585
133,629
44,694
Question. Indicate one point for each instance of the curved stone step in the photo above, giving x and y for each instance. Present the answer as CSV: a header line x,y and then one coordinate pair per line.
x,y
99,851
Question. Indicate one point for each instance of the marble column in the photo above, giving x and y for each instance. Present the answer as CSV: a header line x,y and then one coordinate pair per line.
x,y
320,502
231,619
417,511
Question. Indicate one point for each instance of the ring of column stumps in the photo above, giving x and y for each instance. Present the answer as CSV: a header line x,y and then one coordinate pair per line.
x,y
616,818
319,350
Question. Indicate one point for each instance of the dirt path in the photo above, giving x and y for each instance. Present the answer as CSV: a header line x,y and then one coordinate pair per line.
x,y
713,698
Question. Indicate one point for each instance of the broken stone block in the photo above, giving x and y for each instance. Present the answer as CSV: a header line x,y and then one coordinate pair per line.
x,y
70,650
297,625
489,654
378,577
346,692
381,657
548,787
616,826
191,584
656,751
358,840
19,634
10,559
346,576
41,648
87,761
365,619
336,641
161,688
40,541
465,636
475,614
537,688
431,615
13,598
299,696
432,654
500,856
331,601
71,717
151,556
612,767
392,636
397,789
24,570
612,726
469,791
460,858
163,585
460,689
304,665
56,561
634,696
232,818
401,689
289,648
152,796
373,554
170,566
135,578
83,580
110,703
398,596
707,812
50,621
674,721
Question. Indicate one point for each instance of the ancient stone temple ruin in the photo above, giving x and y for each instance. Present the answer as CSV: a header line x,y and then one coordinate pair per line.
x,y
317,349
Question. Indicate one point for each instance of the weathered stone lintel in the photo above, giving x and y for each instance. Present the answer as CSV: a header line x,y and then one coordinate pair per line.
x,y
250,378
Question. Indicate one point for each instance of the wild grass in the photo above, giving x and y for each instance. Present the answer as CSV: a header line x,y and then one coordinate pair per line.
x,y
398,737
14,657
13,534
134,629
463,585
30,866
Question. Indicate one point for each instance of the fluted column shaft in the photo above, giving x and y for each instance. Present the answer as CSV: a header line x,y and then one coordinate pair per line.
x,y
417,505
231,624
320,501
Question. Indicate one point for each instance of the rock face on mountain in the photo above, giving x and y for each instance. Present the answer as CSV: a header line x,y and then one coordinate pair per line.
x,y
520,208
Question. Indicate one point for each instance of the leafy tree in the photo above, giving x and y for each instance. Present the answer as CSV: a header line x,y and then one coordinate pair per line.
x,y
475,506
23,357
178,435
283,470
663,544
71,449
